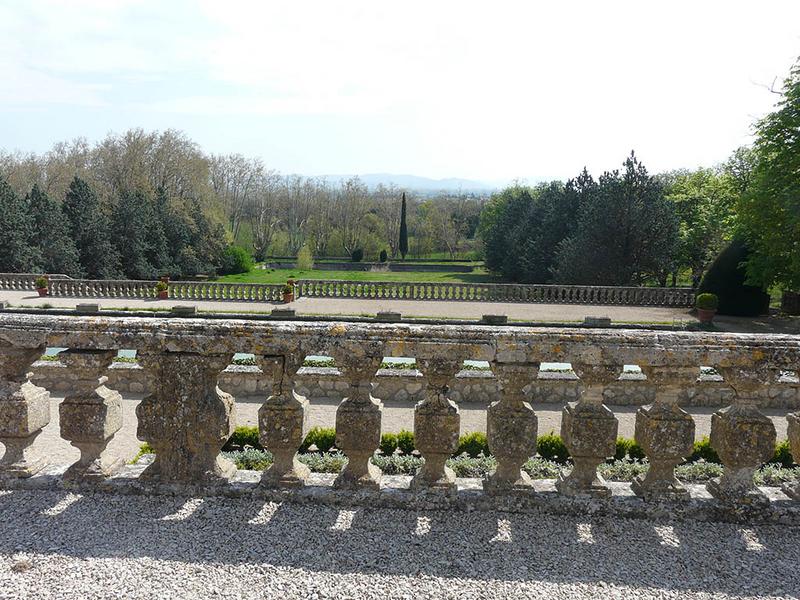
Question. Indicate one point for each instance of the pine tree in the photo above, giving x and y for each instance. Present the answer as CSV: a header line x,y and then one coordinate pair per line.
x,y
89,228
51,237
16,253
403,246
131,222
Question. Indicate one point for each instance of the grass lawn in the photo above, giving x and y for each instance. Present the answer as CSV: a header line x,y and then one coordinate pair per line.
x,y
281,275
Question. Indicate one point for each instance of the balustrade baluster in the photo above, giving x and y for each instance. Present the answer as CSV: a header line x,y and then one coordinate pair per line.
x,y
589,430
358,417
24,411
282,421
665,432
90,414
187,418
511,427
437,422
743,437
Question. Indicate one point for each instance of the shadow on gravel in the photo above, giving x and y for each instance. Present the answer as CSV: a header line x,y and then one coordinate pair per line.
x,y
711,557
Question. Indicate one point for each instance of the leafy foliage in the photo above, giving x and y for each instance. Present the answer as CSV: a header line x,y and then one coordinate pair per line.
x,y
324,438
551,447
769,210
707,301
388,443
56,249
16,234
405,441
305,260
235,259
473,444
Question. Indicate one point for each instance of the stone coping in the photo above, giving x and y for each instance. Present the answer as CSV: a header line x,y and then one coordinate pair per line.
x,y
395,493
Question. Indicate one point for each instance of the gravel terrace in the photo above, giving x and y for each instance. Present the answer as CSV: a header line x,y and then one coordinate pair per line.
x,y
62,545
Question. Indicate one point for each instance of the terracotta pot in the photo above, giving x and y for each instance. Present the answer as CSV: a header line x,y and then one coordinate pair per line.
x,y
163,294
42,291
288,297
705,315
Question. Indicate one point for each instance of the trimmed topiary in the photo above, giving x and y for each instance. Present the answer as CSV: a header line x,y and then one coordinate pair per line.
x,y
405,441
473,444
726,279
704,451
551,447
706,301
324,438
388,443
243,436
628,447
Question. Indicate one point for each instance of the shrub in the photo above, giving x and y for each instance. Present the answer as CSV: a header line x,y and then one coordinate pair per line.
x,y
145,448
162,286
706,301
628,447
383,257
41,282
305,260
357,255
388,443
235,259
405,441
551,447
243,436
288,288
324,438
473,444
704,451
726,279
783,455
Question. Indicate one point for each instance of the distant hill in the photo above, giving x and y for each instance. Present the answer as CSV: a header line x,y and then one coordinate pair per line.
x,y
420,184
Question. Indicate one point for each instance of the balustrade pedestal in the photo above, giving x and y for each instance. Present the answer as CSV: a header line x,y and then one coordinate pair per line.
x,y
437,424
793,433
589,430
187,419
282,423
90,414
666,434
744,438
511,428
24,411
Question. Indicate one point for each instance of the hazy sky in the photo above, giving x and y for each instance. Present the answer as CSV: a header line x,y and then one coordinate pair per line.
x,y
486,90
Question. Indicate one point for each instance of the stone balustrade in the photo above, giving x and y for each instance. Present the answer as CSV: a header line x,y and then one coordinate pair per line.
x,y
186,417
61,286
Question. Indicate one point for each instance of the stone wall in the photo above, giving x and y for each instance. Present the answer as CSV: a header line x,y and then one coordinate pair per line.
x,y
406,385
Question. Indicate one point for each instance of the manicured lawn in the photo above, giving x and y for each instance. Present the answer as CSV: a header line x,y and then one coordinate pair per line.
x,y
281,275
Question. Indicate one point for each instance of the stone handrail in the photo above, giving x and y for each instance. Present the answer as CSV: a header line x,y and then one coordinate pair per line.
x,y
377,290
187,418
497,292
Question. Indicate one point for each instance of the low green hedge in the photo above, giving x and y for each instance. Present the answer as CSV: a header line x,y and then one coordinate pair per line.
x,y
549,446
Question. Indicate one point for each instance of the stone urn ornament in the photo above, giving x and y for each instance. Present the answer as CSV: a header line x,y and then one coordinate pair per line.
x,y
706,305
288,292
42,284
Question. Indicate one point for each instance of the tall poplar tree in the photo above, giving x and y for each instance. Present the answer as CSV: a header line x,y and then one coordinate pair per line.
x,y
403,246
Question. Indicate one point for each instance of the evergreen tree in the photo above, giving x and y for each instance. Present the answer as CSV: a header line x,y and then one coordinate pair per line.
x,y
51,237
88,226
176,235
131,219
17,255
403,246
626,231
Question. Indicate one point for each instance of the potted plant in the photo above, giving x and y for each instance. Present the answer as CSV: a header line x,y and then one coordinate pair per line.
x,y
288,293
41,284
706,305
162,290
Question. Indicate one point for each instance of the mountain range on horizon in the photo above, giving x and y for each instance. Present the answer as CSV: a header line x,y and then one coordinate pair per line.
x,y
422,184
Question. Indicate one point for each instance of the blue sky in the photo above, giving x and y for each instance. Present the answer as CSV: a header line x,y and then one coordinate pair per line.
x,y
482,90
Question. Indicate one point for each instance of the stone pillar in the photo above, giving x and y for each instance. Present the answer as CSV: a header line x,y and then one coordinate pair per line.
x,y
90,414
793,433
437,423
665,432
282,423
744,439
358,418
24,411
511,427
187,418
589,430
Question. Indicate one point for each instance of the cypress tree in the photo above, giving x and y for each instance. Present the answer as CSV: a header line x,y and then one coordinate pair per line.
x,y
403,246
131,222
88,226
51,237
16,253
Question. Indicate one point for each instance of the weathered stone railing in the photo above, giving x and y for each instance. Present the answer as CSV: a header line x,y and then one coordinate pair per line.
x,y
377,290
498,292
187,418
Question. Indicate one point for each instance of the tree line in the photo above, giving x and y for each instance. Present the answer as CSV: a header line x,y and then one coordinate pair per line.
x,y
263,211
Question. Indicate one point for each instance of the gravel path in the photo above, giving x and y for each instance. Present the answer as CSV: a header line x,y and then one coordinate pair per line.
x,y
416,308
396,416
58,545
